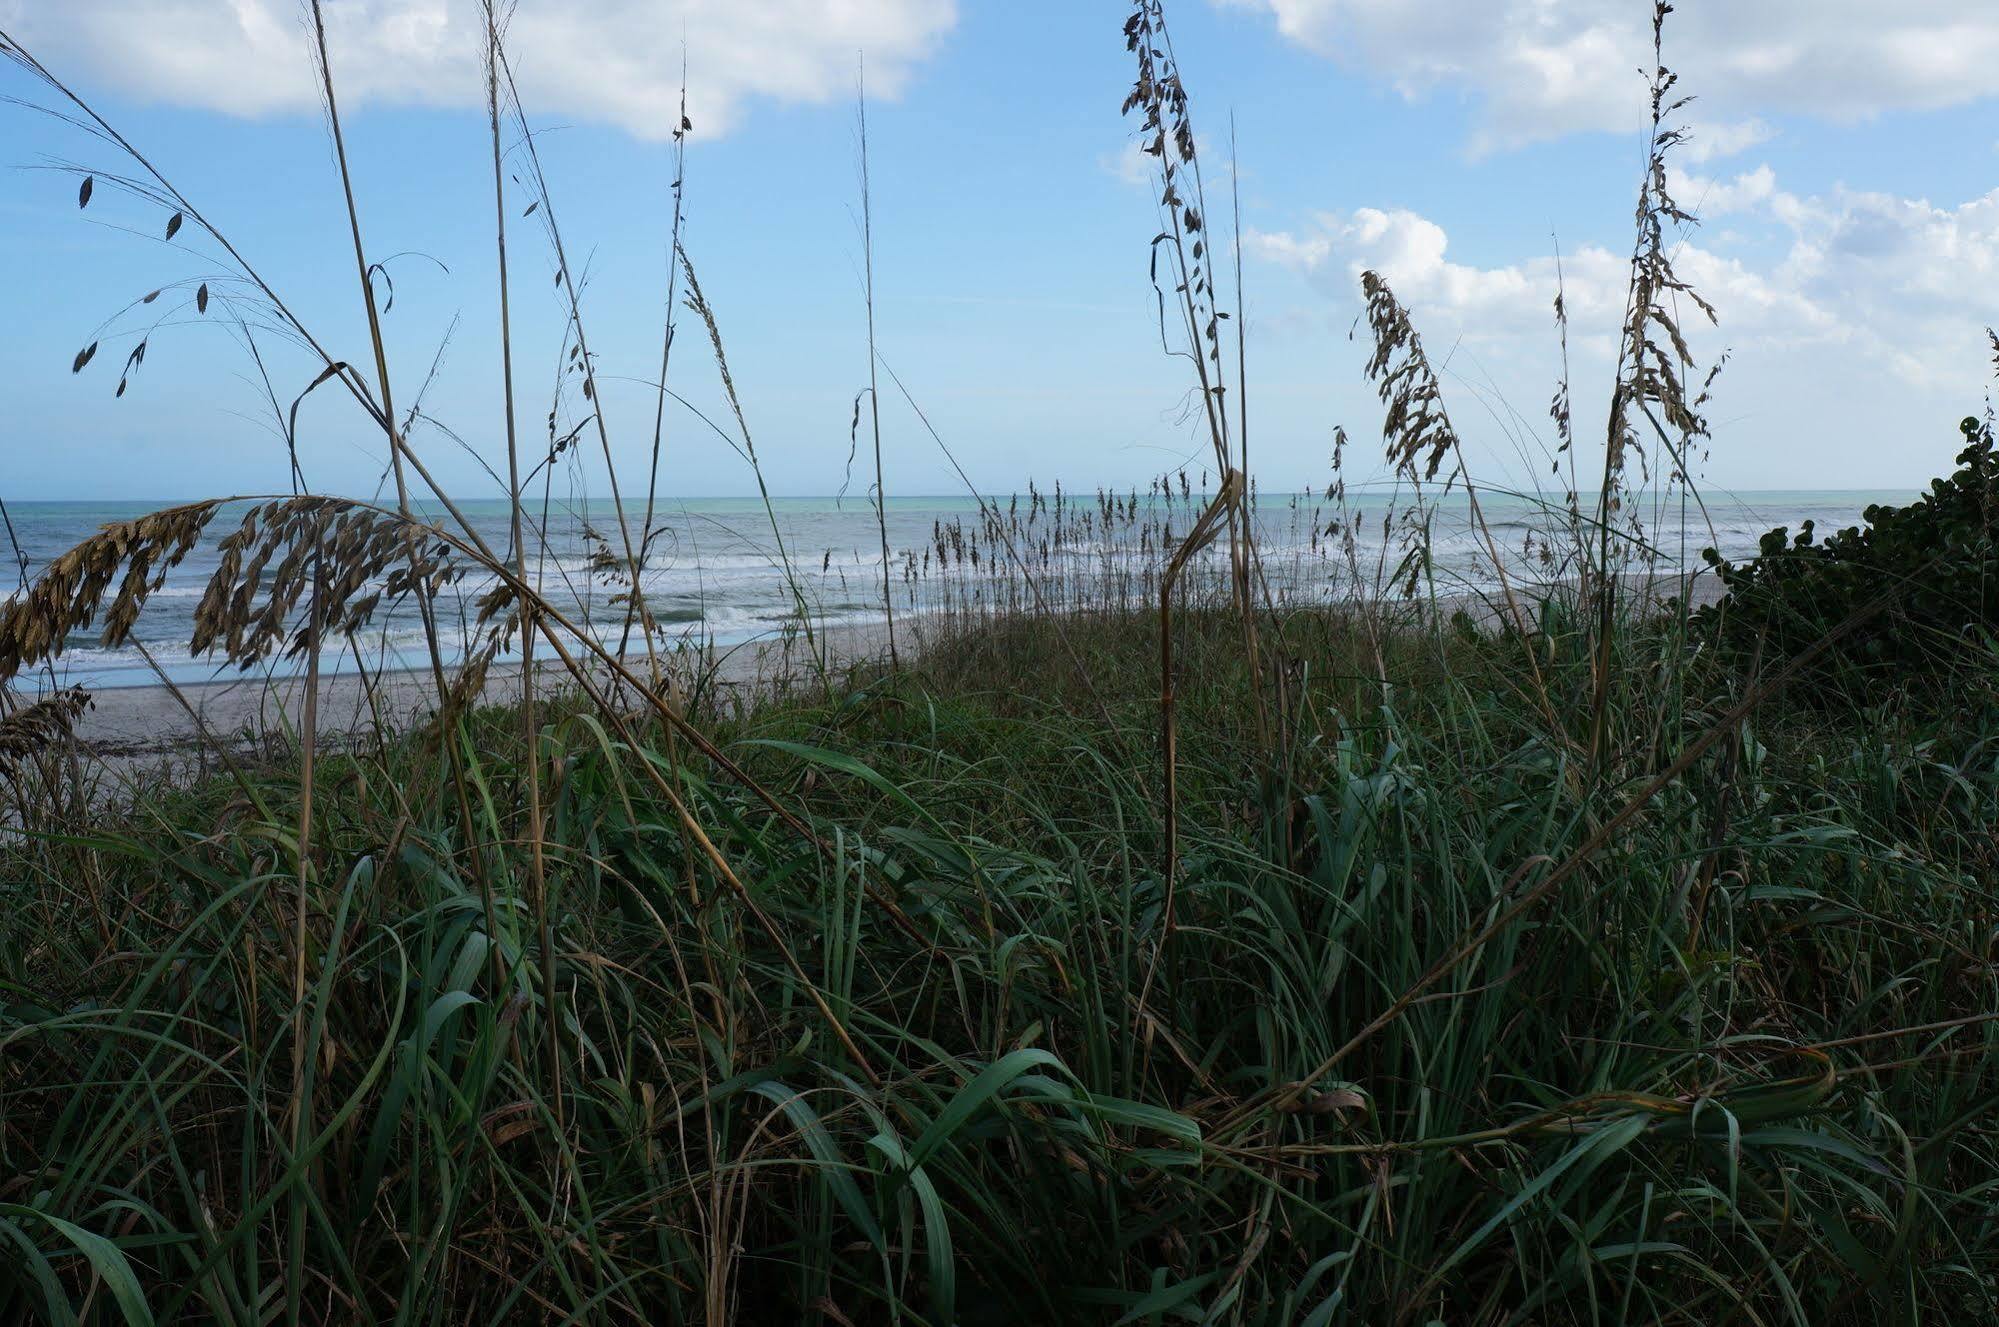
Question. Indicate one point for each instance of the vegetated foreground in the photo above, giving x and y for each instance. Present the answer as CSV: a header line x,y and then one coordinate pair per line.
x,y
1184,956
1441,1030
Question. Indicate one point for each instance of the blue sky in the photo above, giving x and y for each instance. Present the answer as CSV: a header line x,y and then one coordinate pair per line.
x,y
1844,162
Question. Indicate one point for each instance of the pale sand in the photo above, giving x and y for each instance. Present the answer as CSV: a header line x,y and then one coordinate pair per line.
x,y
145,730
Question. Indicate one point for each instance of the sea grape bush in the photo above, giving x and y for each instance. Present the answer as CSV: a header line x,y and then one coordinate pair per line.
x,y
1909,592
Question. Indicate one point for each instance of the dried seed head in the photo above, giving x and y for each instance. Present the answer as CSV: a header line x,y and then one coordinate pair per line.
x,y
249,611
1416,427
266,570
35,728
36,624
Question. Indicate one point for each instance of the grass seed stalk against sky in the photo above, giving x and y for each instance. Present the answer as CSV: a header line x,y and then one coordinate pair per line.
x,y
1843,160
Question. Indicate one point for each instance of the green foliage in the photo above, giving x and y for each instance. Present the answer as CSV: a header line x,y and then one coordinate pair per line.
x,y
882,1006
1739,1071
1909,592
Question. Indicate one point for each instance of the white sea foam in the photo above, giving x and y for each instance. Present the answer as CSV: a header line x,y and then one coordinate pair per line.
x,y
715,576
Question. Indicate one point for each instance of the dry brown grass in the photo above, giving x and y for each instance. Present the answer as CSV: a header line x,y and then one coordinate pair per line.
x,y
39,727
65,598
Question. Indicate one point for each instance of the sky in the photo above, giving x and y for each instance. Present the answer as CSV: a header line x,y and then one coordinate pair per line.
x,y
1843,158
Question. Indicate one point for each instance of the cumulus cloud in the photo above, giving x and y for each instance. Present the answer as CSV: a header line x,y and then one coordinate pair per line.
x,y
617,61
1502,304
1711,141
1129,164
1543,68
1868,279
1916,275
1747,192
1856,321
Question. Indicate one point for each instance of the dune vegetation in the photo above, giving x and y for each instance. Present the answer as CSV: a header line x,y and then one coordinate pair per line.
x,y
1145,948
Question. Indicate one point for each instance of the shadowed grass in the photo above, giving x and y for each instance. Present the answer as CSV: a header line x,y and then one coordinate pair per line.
x,y
1741,1072
1145,949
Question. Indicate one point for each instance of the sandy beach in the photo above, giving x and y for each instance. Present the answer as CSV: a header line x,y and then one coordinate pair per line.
x,y
162,728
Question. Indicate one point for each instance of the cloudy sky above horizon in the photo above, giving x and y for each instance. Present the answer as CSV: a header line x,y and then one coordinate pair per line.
x,y
1843,161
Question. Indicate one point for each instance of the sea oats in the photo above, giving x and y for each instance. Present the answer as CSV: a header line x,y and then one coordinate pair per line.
x,y
1416,427
35,625
37,727
248,612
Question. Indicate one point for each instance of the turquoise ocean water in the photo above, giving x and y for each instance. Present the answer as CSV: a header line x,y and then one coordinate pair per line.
x,y
713,573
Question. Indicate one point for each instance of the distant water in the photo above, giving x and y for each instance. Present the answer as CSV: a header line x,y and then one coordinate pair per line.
x,y
713,574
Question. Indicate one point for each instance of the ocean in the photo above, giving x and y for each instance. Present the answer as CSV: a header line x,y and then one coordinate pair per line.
x,y
714,574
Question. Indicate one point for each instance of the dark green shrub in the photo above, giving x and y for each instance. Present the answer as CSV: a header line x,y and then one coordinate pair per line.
x,y
1936,560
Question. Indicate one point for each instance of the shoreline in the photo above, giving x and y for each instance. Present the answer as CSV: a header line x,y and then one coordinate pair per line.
x,y
134,725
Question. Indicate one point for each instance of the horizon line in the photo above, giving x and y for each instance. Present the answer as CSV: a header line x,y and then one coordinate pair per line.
x,y
1125,490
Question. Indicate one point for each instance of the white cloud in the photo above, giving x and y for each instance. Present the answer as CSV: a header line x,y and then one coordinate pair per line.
x,y
1543,68
1918,276
1129,164
611,60
1858,320
1866,279
1712,141
1709,198
1489,305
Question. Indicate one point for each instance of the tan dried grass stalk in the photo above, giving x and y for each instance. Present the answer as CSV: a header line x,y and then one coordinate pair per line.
x,y
702,309
1653,362
1206,530
1417,431
35,624
247,609
39,727
1416,428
